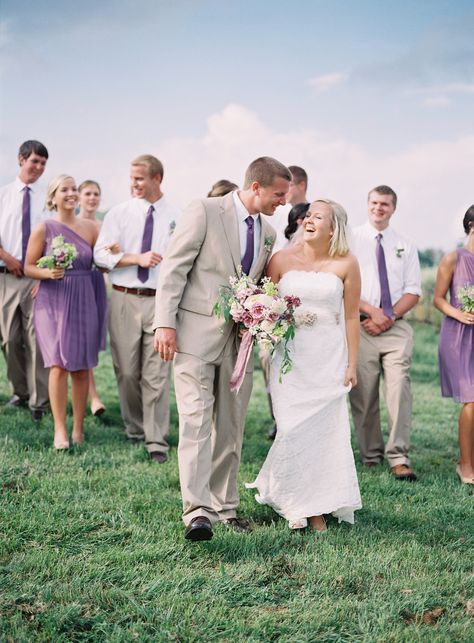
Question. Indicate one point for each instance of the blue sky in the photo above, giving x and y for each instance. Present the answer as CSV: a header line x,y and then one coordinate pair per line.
x,y
359,93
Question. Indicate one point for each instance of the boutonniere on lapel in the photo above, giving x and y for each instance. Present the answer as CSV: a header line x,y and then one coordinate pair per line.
x,y
172,227
268,244
399,250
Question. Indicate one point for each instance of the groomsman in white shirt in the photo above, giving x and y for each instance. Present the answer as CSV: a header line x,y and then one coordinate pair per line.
x,y
22,207
142,227
391,286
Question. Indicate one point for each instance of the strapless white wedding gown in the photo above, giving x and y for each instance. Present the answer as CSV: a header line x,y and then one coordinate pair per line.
x,y
310,469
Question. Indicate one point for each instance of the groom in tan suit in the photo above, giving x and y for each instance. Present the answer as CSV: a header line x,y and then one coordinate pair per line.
x,y
213,238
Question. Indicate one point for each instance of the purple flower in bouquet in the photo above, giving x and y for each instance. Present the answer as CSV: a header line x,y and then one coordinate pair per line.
x,y
62,255
266,319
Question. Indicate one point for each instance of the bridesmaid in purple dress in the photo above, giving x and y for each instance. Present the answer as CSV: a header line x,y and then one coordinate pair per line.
x,y
89,200
456,343
66,315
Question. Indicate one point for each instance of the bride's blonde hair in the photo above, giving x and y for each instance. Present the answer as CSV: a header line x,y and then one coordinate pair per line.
x,y
338,244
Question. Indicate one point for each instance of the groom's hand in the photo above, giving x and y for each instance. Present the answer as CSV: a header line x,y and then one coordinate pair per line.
x,y
165,343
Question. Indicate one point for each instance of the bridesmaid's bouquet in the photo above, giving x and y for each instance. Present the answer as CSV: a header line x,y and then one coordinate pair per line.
x,y
266,319
62,255
466,297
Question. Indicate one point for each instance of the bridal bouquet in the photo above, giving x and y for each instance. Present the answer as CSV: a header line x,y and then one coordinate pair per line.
x,y
466,297
62,254
266,319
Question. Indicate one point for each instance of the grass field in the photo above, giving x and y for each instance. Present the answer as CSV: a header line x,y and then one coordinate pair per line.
x,y
92,548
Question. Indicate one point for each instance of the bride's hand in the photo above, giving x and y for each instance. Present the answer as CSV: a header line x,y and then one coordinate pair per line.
x,y
350,376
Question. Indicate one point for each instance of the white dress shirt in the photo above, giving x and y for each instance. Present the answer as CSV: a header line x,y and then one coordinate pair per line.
x,y
401,258
242,214
124,224
11,212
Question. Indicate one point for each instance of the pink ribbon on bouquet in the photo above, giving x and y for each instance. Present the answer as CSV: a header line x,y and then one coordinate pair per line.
x,y
243,357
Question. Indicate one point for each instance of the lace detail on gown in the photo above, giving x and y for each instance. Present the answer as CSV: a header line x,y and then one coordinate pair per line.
x,y
310,468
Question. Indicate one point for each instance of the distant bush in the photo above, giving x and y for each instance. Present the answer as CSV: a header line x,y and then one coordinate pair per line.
x,y
425,311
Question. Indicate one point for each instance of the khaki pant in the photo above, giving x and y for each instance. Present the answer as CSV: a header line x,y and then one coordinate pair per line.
x,y
143,378
388,354
211,426
25,370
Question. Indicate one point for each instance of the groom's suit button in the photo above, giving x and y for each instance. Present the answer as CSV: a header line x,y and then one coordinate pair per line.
x,y
199,528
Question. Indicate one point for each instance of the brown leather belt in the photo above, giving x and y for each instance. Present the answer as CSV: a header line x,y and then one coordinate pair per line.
x,y
141,292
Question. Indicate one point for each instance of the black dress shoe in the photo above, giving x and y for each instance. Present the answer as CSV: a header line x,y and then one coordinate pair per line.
x,y
271,435
17,402
199,528
37,415
238,525
159,457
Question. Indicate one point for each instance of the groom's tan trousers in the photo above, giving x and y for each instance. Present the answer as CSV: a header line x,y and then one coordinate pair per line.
x,y
211,426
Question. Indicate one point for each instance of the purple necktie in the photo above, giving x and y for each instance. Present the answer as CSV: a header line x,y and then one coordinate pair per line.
x,y
143,273
248,256
385,299
25,222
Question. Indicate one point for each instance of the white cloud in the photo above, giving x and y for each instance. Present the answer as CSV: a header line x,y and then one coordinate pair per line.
x,y
433,180
327,81
437,101
448,88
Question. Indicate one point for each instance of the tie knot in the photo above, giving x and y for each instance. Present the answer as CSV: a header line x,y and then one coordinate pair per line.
x,y
151,209
26,188
379,237
249,221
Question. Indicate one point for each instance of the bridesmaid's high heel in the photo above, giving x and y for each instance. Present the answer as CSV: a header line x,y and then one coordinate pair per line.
x,y
300,523
463,479
60,444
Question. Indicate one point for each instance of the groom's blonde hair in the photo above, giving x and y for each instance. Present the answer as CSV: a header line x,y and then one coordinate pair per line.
x,y
338,244
265,170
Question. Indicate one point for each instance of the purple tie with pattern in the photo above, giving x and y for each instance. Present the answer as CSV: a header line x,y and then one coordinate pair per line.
x,y
25,222
248,256
385,299
143,273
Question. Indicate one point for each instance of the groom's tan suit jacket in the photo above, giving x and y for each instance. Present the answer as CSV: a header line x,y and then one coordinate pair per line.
x,y
203,254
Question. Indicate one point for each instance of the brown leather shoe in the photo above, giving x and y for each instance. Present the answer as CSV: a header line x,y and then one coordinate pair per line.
x,y
199,528
403,472
238,525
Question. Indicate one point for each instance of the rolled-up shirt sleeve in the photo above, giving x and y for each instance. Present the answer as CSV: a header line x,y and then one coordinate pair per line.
x,y
412,276
108,235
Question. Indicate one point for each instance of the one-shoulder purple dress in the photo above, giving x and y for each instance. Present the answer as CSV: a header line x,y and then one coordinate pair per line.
x,y
456,340
70,313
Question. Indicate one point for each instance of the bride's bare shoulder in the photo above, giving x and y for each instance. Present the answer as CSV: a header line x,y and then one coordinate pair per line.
x,y
281,262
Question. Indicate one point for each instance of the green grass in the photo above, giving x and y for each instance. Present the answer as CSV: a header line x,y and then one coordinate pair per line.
x,y
92,548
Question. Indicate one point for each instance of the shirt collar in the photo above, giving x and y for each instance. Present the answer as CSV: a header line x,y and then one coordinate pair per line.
x,y
242,212
145,205
19,185
373,232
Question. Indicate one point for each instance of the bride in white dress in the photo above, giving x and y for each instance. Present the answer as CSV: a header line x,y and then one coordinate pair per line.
x,y
309,470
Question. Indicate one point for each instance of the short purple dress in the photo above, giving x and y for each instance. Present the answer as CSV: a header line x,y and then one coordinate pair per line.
x,y
456,340
70,313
